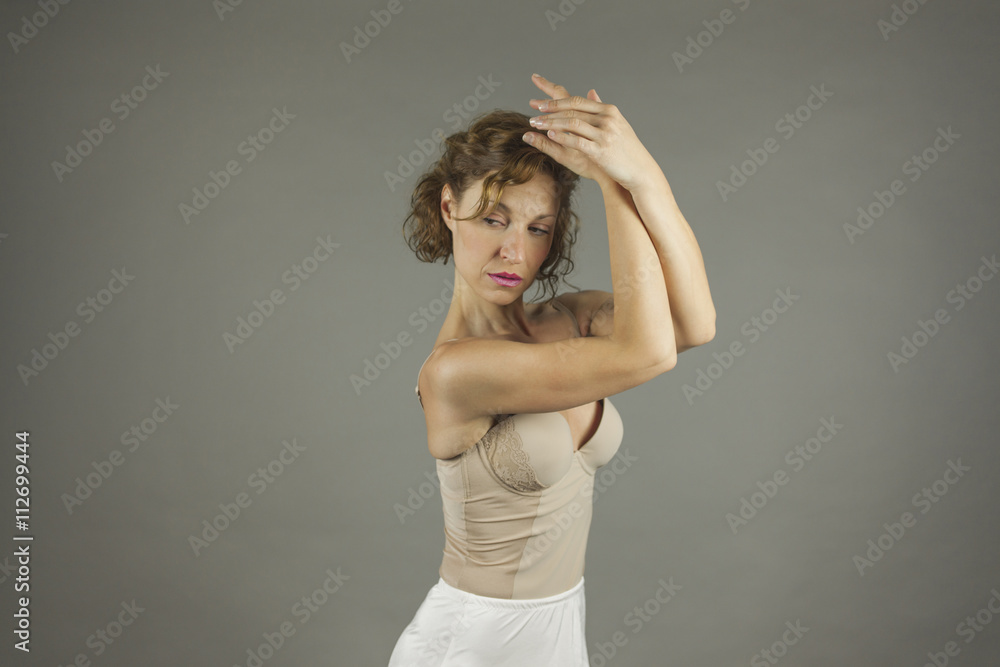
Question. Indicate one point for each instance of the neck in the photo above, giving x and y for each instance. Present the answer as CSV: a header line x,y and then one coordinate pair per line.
x,y
471,314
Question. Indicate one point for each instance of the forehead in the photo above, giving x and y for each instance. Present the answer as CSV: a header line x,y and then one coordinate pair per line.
x,y
540,191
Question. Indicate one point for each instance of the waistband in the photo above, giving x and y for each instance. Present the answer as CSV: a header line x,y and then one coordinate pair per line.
x,y
504,603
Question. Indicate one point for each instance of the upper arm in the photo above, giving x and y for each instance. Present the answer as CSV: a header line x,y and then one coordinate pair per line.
x,y
481,376
595,310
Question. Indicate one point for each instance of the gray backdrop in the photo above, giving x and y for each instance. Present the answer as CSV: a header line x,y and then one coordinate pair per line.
x,y
205,475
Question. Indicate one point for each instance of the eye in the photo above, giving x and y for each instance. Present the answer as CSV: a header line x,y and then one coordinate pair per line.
x,y
539,231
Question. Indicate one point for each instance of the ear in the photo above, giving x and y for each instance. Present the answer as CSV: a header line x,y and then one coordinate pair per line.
x,y
448,207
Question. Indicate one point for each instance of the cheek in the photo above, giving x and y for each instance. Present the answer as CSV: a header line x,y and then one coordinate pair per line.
x,y
472,249
476,247
544,251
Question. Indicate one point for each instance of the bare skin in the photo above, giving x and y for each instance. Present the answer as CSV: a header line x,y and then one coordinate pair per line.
x,y
512,359
513,241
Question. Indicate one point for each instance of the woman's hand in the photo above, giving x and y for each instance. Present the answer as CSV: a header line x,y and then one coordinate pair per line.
x,y
591,138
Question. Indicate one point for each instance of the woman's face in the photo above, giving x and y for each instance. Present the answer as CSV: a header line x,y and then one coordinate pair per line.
x,y
514,239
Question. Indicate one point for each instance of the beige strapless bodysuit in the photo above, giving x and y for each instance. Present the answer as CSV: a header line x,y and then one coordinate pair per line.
x,y
518,504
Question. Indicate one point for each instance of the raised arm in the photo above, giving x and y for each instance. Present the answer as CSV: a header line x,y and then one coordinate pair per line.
x,y
475,377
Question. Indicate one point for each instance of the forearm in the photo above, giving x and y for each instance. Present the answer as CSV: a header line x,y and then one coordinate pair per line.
x,y
642,323
691,307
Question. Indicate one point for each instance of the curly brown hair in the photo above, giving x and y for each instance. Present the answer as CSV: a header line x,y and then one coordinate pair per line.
x,y
492,147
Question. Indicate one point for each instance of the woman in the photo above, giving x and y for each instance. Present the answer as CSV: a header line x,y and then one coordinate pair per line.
x,y
515,395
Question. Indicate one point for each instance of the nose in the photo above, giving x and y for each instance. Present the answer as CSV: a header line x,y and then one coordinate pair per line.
x,y
512,249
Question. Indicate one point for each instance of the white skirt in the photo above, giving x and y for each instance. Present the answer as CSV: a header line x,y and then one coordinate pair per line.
x,y
455,628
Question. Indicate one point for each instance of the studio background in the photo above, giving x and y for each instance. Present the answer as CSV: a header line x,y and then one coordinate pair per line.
x,y
335,475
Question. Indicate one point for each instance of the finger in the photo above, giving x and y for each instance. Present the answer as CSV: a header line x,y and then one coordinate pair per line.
x,y
566,114
553,90
543,84
595,97
565,156
575,124
573,102
573,141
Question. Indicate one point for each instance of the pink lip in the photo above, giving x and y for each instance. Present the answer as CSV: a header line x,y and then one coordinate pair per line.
x,y
505,279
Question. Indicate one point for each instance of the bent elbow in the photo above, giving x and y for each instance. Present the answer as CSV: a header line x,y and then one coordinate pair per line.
x,y
705,335
667,362
670,363
709,335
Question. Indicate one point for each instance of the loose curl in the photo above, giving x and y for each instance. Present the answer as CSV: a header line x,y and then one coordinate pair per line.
x,y
492,147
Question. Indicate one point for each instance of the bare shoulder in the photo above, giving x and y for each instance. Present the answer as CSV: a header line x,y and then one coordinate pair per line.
x,y
586,305
449,431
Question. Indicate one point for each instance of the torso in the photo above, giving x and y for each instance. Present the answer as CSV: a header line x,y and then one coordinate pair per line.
x,y
456,435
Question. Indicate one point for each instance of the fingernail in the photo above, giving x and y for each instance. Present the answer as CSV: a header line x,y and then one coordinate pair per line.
x,y
529,137
539,76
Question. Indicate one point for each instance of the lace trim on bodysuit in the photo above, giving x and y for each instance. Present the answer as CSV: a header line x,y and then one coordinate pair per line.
x,y
505,451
